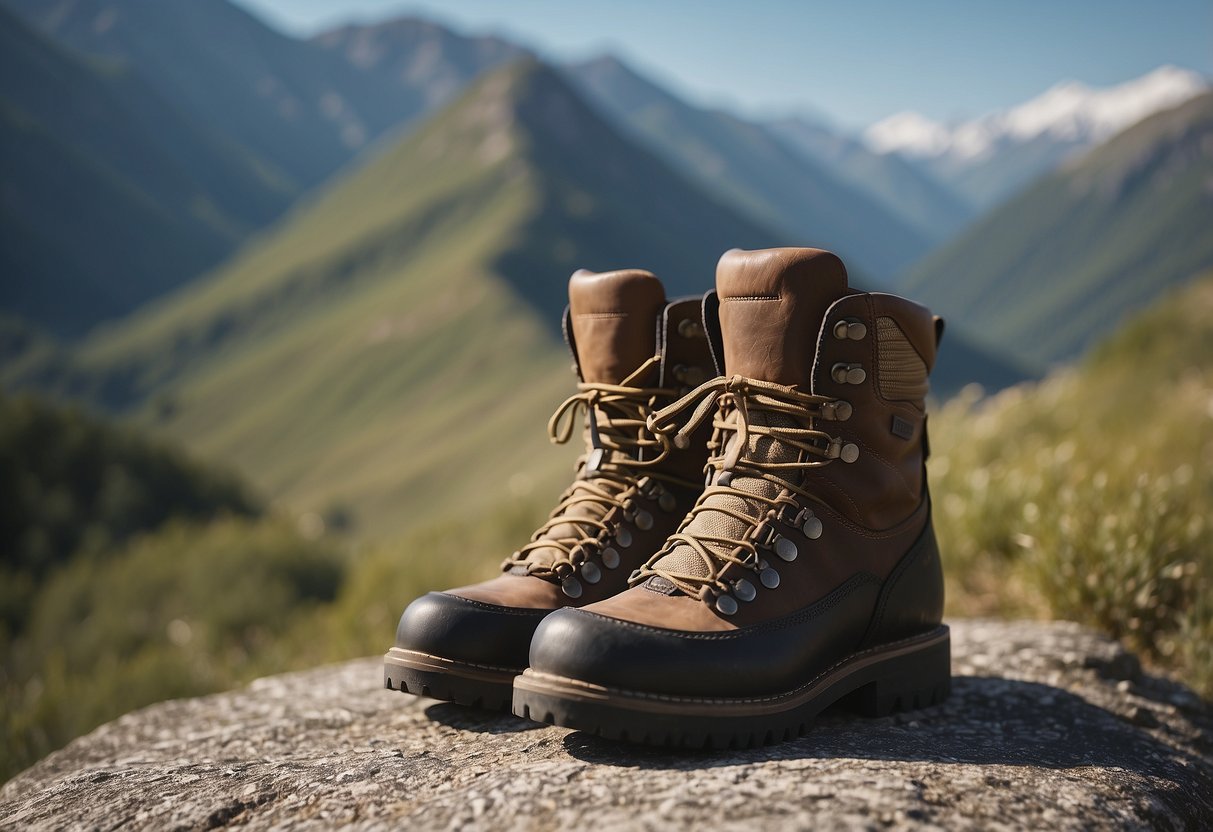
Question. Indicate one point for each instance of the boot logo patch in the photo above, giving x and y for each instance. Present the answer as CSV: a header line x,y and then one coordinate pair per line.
x,y
660,585
903,428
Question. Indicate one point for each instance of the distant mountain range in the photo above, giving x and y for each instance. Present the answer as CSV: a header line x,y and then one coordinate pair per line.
x,y
155,137
1059,266
394,339
341,260
236,121
111,194
303,108
790,192
900,185
987,159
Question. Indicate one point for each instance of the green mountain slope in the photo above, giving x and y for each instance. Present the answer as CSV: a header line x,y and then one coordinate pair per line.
x,y
391,346
110,195
899,185
1060,265
758,174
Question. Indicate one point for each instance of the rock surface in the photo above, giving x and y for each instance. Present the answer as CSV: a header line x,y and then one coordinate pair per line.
x,y
1049,726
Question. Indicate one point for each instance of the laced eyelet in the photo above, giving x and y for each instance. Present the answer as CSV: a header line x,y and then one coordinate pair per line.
x,y
811,527
734,404
590,573
571,587
837,411
768,577
850,328
848,373
846,451
786,549
744,590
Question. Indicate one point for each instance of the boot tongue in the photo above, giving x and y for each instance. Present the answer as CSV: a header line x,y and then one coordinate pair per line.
x,y
614,320
772,302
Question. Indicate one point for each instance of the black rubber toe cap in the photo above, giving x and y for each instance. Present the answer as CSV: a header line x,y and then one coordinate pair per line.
x,y
761,659
458,628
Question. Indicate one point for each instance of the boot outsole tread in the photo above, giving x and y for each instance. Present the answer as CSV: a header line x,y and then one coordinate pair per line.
x,y
490,691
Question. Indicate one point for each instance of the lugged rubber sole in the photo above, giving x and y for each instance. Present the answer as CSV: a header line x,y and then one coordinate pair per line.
x,y
904,675
437,677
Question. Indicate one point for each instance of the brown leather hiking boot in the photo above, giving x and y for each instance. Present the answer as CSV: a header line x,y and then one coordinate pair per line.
x,y
807,572
633,353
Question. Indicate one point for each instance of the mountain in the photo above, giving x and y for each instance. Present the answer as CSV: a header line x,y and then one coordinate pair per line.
x,y
110,194
156,137
745,165
391,346
989,158
420,60
303,108
298,110
1059,265
900,186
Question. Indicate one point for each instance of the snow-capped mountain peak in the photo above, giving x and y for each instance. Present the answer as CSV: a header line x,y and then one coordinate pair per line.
x,y
1069,112
908,132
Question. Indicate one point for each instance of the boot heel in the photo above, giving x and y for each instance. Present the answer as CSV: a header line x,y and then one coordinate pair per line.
x,y
905,683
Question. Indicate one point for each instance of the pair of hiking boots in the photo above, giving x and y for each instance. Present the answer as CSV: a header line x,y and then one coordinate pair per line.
x,y
657,608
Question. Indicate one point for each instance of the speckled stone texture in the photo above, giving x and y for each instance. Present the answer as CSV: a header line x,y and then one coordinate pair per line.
x,y
1049,727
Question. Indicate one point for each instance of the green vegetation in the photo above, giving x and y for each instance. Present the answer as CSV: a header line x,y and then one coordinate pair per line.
x,y
76,486
1090,495
151,595
135,154
82,589
1061,265
186,610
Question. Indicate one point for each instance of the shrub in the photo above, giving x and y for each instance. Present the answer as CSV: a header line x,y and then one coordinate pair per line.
x,y
186,610
1089,495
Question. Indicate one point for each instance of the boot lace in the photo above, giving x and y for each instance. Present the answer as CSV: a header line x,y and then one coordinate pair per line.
x,y
620,456
744,408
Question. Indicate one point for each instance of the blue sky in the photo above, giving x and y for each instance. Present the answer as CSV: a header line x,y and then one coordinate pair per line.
x,y
855,61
